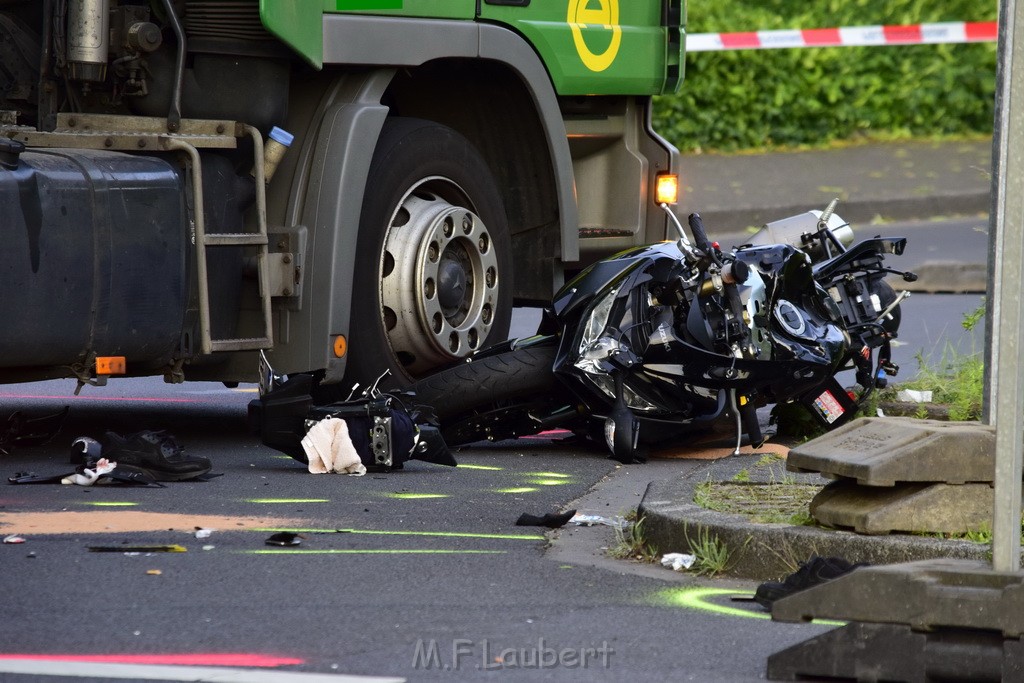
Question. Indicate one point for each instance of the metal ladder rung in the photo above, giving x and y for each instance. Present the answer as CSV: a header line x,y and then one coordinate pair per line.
x,y
204,240
249,344
227,239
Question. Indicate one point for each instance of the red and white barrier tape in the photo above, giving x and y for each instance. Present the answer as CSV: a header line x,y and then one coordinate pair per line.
x,y
913,34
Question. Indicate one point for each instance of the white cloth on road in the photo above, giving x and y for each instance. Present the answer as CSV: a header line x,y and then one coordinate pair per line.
x,y
329,448
88,477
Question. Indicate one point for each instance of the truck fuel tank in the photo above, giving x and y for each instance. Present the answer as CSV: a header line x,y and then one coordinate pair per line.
x,y
94,257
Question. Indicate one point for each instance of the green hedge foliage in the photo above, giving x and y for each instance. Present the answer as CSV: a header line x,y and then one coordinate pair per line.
x,y
755,99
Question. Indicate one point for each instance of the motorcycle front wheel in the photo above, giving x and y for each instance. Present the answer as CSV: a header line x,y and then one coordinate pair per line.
x,y
497,397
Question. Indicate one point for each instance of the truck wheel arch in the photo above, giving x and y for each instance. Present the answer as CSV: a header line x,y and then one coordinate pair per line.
x,y
338,133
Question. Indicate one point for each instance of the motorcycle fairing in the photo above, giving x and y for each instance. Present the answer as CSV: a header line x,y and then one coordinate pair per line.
x,y
681,373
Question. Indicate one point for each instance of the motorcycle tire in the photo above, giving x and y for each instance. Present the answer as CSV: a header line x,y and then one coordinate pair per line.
x,y
496,397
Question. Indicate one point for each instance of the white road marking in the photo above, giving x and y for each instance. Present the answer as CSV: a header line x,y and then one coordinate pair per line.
x,y
196,674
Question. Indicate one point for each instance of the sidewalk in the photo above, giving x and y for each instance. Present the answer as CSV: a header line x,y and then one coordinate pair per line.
x,y
764,551
905,181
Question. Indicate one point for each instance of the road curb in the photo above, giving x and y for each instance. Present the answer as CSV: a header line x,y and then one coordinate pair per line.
x,y
770,551
733,221
940,277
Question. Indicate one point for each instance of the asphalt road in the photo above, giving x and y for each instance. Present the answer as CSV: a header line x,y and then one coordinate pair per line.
x,y
419,574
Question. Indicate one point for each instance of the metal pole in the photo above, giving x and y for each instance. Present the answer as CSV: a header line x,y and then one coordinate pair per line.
x,y
1005,391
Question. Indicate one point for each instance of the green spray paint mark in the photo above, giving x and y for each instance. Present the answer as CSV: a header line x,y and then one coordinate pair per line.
x,y
549,475
486,468
417,496
281,501
548,482
699,598
110,504
519,489
436,534
349,551
368,4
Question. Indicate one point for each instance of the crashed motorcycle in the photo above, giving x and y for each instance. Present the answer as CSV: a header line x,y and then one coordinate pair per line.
x,y
670,339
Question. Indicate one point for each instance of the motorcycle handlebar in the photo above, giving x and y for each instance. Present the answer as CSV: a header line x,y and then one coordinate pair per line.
x,y
733,275
700,238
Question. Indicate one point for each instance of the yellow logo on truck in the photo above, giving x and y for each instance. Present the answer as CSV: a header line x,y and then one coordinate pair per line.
x,y
591,13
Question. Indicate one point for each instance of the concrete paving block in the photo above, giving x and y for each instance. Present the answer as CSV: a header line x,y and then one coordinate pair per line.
x,y
882,451
915,507
893,652
925,595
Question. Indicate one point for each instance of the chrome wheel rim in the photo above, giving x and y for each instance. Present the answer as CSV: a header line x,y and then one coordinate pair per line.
x,y
439,277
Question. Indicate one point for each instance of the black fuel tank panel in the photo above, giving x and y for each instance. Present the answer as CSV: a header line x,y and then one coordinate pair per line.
x,y
93,257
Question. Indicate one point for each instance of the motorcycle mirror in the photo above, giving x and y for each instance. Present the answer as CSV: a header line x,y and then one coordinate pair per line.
x,y
683,239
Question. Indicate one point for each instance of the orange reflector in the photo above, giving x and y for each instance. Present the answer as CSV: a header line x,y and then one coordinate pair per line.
x,y
110,365
340,346
667,191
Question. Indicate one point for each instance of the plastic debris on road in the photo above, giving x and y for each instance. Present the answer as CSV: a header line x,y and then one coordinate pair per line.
x,y
203,533
594,520
13,539
914,396
678,561
137,548
20,430
284,538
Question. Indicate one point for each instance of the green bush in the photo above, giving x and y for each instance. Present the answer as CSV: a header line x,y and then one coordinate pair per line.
x,y
752,99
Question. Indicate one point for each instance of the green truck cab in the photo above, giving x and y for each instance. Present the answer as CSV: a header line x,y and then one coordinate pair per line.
x,y
354,187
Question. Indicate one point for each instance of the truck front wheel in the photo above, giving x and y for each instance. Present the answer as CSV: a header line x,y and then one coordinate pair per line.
x,y
433,256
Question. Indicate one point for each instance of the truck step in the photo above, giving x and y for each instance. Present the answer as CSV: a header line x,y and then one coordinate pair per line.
x,y
227,239
247,344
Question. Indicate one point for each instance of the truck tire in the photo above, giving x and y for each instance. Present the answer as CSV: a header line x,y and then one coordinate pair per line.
x,y
433,256
495,397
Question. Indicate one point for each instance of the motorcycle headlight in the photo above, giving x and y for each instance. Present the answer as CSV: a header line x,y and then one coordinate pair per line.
x,y
595,346
596,324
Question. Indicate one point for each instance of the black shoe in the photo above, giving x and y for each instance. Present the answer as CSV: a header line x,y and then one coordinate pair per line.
x,y
811,573
155,454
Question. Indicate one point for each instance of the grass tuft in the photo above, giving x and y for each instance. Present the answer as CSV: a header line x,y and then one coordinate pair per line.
x,y
630,544
712,557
